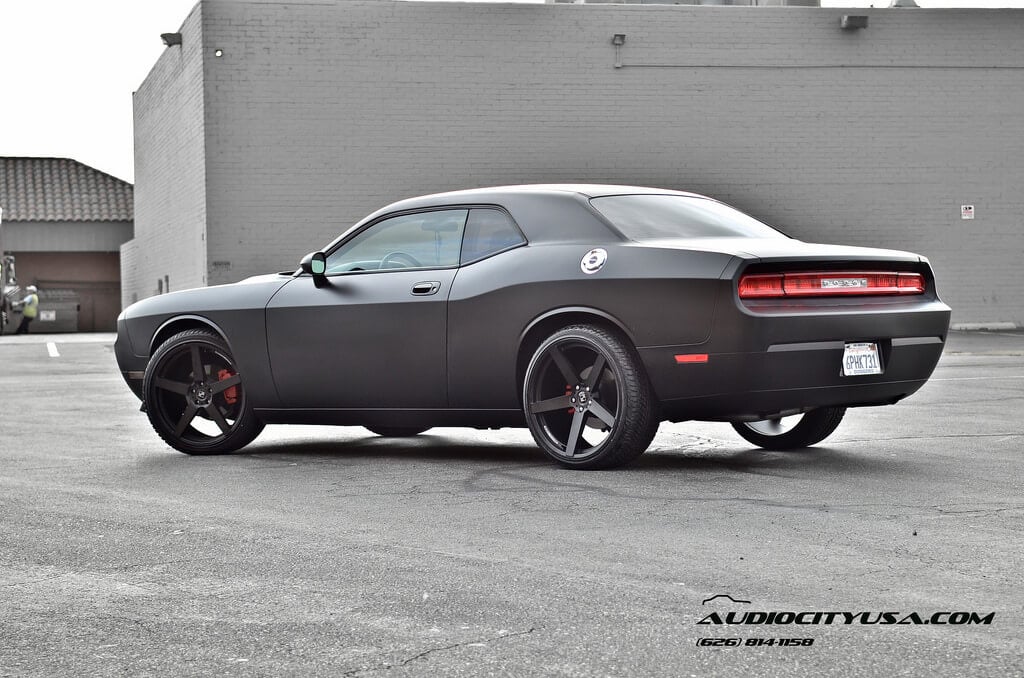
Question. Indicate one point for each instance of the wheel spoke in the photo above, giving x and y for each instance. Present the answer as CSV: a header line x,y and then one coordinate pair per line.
x,y
557,403
598,410
225,384
574,433
564,366
214,412
198,373
172,386
595,372
186,419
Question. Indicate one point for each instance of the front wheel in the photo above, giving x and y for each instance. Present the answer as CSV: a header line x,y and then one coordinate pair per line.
x,y
195,398
587,399
791,433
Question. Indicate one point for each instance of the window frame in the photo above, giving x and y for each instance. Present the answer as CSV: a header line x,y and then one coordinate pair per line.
x,y
422,210
391,215
523,241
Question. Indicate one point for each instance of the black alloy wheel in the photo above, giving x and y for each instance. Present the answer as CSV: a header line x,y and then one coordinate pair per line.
x,y
793,432
195,398
396,431
587,399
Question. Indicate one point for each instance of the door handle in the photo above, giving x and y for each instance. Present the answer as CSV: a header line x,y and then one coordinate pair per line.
x,y
427,288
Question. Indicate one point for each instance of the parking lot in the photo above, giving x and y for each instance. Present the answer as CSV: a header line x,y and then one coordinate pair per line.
x,y
334,552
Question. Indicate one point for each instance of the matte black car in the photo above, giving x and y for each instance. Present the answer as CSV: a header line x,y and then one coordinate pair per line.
x,y
587,313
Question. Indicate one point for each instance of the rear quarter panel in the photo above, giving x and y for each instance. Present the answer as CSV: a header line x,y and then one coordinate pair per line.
x,y
658,296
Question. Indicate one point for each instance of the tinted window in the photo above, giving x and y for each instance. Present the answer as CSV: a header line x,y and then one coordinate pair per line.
x,y
661,217
423,240
487,232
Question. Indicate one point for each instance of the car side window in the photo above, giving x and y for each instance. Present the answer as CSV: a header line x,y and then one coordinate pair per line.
x,y
421,240
488,231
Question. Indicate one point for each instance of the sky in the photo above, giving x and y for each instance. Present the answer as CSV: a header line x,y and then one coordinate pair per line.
x,y
69,68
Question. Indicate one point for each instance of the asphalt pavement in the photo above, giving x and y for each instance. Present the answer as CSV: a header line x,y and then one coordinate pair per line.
x,y
330,551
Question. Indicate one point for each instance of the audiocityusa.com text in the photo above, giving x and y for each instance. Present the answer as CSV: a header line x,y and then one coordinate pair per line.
x,y
734,619
825,618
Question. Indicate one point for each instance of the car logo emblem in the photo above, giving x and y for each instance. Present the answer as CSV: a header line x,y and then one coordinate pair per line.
x,y
593,260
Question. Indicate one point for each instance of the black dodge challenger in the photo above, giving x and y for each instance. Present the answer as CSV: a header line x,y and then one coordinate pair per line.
x,y
587,313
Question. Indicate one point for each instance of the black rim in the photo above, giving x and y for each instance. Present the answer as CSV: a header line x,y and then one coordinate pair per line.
x,y
573,399
197,393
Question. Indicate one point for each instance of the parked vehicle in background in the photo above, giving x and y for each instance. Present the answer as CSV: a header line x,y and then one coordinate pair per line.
x,y
587,313
11,291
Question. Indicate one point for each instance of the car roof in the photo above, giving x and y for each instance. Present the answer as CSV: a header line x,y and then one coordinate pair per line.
x,y
559,222
586,190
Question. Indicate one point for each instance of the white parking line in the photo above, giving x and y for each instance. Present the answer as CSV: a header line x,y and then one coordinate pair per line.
x,y
51,348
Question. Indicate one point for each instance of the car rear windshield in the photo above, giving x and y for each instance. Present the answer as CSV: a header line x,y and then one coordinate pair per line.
x,y
667,217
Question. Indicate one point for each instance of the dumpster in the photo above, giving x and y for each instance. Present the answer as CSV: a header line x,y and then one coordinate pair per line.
x,y
58,312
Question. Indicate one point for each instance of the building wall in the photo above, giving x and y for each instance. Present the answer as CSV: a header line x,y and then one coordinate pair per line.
x,y
93,276
78,256
75,236
64,269
170,193
318,113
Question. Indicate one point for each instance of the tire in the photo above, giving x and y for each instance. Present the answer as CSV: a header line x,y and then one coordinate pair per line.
x,y
396,431
585,378
206,415
800,430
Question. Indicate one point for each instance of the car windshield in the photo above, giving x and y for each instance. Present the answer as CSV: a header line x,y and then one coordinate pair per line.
x,y
666,217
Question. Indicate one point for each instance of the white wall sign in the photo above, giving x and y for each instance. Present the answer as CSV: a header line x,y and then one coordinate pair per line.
x,y
966,211
47,316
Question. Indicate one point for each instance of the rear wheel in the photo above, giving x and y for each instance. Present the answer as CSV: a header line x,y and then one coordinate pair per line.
x,y
195,398
790,433
587,400
396,431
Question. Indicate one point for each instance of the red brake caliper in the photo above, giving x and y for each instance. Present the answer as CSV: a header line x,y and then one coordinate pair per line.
x,y
568,392
231,392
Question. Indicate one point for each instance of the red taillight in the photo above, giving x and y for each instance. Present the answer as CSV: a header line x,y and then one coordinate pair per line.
x,y
828,284
911,283
761,286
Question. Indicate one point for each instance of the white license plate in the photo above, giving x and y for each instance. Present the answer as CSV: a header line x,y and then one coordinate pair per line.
x,y
861,358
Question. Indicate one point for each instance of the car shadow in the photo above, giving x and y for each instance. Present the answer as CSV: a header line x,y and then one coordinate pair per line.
x,y
427,448
424,447
823,460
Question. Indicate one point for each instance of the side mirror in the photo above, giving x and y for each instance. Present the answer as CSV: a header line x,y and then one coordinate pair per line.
x,y
315,263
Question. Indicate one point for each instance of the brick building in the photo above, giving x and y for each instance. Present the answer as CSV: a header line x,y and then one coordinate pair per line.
x,y
274,126
65,222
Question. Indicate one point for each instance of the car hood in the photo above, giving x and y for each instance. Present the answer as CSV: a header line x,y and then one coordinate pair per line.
x,y
784,249
252,292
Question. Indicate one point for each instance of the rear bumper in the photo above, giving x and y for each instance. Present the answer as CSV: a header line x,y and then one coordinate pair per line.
x,y
760,366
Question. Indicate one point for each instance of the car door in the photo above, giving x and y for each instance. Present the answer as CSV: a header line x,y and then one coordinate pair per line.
x,y
373,336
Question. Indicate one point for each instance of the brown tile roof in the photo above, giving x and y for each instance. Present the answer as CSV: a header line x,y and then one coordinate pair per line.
x,y
61,189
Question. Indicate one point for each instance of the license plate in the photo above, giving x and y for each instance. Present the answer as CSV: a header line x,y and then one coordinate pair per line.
x,y
861,358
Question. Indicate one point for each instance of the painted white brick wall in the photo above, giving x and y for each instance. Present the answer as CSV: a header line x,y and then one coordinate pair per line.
x,y
321,112
170,173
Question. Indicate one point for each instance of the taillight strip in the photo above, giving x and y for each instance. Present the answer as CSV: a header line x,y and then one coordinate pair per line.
x,y
829,284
